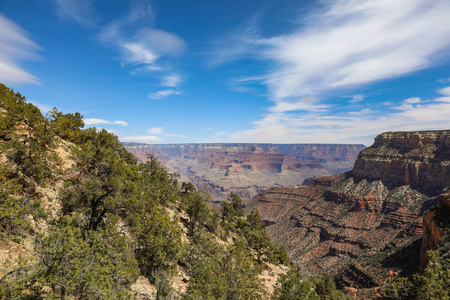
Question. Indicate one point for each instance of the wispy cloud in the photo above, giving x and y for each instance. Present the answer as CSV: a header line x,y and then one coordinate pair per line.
x,y
243,42
358,126
161,131
350,43
221,133
443,80
94,121
445,91
308,103
79,11
141,46
163,94
143,138
171,80
15,47
357,98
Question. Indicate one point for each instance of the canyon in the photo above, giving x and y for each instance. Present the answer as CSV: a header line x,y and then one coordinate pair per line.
x,y
248,169
365,226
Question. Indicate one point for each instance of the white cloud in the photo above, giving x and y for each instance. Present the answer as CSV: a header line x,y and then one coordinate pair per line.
x,y
140,46
123,123
353,127
80,11
345,45
94,121
155,130
136,53
443,80
148,45
143,138
445,91
240,43
291,106
353,42
413,100
362,112
220,133
357,98
174,135
162,94
161,131
15,47
171,80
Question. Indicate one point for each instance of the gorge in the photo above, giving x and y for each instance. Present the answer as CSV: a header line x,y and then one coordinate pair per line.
x,y
357,224
248,169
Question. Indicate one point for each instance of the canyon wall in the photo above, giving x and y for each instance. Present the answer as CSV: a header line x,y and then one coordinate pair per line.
x,y
248,169
341,224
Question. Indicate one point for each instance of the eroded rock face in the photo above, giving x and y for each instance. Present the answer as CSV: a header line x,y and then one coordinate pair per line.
x,y
419,159
335,222
247,169
434,230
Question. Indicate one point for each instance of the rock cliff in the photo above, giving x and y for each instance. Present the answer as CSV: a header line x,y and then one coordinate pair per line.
x,y
436,230
247,169
339,223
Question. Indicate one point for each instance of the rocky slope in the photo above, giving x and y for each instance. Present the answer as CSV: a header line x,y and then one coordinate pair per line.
x,y
436,230
247,169
340,223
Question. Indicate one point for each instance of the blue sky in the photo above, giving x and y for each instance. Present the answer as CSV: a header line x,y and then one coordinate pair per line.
x,y
167,71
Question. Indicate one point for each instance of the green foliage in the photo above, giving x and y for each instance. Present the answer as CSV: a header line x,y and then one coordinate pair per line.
x,y
256,235
66,126
294,287
157,183
199,210
434,284
297,286
158,244
231,209
27,137
114,224
219,272
278,255
325,288
102,182
92,265
164,291
74,264
12,207
13,105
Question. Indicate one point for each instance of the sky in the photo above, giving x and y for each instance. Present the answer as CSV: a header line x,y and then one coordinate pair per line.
x,y
253,71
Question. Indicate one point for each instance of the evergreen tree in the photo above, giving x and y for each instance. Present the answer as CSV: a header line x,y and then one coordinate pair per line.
x,y
103,179
158,244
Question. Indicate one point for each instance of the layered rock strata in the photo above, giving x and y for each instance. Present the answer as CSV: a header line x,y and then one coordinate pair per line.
x,y
247,169
334,222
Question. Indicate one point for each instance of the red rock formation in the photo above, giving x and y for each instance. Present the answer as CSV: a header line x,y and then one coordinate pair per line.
x,y
432,231
329,224
249,168
407,158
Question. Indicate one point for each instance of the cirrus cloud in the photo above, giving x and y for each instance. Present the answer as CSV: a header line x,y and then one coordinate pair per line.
x,y
15,47
355,126
347,44
94,121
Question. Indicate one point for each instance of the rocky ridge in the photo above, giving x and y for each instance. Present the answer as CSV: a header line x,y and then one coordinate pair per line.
x,y
336,223
247,169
